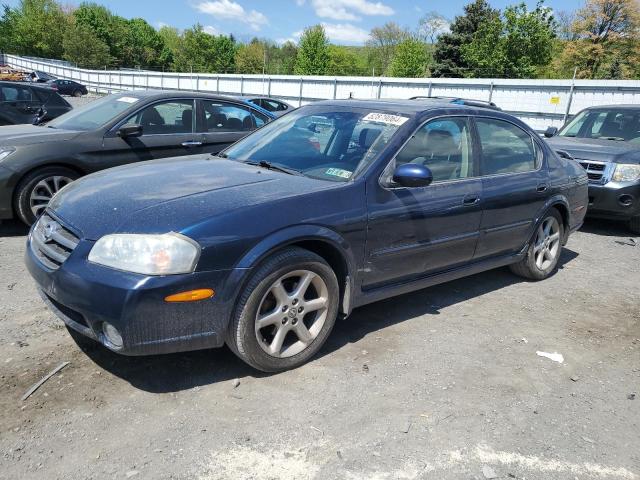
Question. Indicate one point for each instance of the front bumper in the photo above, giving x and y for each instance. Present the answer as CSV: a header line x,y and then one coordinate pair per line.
x,y
8,179
85,295
614,200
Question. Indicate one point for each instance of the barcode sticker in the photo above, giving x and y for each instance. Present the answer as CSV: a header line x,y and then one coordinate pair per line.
x,y
385,118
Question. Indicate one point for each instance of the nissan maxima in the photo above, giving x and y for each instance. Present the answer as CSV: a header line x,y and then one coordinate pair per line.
x,y
333,206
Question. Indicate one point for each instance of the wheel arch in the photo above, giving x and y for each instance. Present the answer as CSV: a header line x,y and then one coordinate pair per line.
x,y
322,241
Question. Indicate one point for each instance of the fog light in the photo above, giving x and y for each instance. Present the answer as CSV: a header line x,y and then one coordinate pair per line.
x,y
112,335
625,200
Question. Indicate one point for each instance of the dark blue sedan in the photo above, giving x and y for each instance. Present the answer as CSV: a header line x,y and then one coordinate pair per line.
x,y
333,206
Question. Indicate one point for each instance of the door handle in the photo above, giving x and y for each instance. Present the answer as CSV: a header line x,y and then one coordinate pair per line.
x,y
191,144
542,188
470,200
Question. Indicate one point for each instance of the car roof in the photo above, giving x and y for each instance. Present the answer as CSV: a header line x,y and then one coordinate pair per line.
x,y
627,106
157,94
42,86
395,105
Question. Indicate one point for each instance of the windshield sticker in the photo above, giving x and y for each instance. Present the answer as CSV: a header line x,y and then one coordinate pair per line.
x,y
128,99
338,172
385,118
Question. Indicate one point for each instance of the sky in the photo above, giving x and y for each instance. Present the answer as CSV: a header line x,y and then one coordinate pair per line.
x,y
347,22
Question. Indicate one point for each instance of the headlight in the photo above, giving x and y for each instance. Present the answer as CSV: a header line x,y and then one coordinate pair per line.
x,y
626,172
5,152
166,254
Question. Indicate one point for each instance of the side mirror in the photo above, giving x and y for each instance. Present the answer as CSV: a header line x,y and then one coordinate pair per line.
x,y
551,132
132,130
412,175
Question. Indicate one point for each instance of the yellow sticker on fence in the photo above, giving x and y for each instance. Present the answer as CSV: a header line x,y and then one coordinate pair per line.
x,y
555,100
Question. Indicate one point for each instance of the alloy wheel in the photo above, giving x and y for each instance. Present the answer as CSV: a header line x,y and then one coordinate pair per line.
x,y
292,313
547,243
44,191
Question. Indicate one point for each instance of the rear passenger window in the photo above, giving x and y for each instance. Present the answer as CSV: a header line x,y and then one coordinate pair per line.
x,y
505,148
444,146
165,118
225,117
15,94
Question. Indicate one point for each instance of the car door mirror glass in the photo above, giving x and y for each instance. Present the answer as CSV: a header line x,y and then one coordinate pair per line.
x,y
412,175
551,132
130,130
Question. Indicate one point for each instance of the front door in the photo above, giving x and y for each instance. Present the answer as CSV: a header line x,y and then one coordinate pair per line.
x,y
413,232
515,186
18,104
167,131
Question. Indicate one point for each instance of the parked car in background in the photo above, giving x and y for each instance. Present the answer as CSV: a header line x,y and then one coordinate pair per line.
x,y
606,142
335,205
276,107
29,103
68,87
461,101
37,161
40,77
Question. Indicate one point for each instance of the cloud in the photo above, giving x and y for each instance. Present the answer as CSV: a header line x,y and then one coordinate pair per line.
x,y
211,30
349,9
231,10
345,32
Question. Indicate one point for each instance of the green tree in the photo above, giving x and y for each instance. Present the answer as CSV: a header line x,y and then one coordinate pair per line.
x,y
382,45
140,45
343,61
283,59
172,41
7,29
447,54
514,45
83,47
250,58
313,52
39,28
204,53
411,59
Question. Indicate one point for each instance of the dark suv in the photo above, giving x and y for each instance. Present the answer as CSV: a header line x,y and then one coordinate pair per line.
x,y
606,142
29,103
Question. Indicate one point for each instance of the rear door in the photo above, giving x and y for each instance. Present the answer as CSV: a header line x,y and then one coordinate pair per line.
x,y
168,130
224,123
19,104
514,184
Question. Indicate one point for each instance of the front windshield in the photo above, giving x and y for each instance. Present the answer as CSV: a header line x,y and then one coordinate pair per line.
x,y
95,114
328,143
622,124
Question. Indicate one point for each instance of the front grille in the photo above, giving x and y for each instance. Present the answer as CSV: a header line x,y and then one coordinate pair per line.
x,y
51,242
595,170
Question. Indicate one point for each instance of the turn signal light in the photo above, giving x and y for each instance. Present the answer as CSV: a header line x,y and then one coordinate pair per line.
x,y
191,295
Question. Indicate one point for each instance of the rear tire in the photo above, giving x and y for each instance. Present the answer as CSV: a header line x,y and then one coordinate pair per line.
x,y
544,250
634,224
77,93
31,194
286,311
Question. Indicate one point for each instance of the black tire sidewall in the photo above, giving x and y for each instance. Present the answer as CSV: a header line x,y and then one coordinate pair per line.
x,y
531,259
26,185
242,331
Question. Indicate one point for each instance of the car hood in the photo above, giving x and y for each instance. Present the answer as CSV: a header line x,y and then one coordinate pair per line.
x,y
17,135
597,150
174,194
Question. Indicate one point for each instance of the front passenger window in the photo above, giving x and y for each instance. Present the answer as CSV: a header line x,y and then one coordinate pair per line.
x,y
170,117
505,147
442,145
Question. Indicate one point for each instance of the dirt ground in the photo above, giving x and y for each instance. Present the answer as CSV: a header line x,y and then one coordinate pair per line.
x,y
443,383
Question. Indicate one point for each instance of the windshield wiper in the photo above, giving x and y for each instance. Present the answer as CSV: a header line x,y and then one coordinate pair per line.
x,y
273,166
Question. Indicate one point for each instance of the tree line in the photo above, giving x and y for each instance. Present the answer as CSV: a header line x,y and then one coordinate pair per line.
x,y
599,40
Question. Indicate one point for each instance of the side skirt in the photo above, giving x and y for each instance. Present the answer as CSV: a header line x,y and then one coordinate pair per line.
x,y
392,290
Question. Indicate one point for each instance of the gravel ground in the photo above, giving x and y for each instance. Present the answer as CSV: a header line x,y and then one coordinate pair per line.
x,y
80,101
443,383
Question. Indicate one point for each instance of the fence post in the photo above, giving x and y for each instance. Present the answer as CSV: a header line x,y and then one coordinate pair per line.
x,y
269,87
430,89
335,87
300,93
218,84
379,88
491,91
241,84
573,86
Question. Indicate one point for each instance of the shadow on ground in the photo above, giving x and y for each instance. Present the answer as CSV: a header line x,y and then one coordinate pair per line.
x,y
13,228
609,228
182,371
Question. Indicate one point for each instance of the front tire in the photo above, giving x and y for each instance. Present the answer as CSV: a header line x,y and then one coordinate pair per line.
x,y
35,191
286,311
77,93
545,249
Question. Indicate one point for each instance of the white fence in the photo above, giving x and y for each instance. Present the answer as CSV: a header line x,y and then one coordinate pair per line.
x,y
540,103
